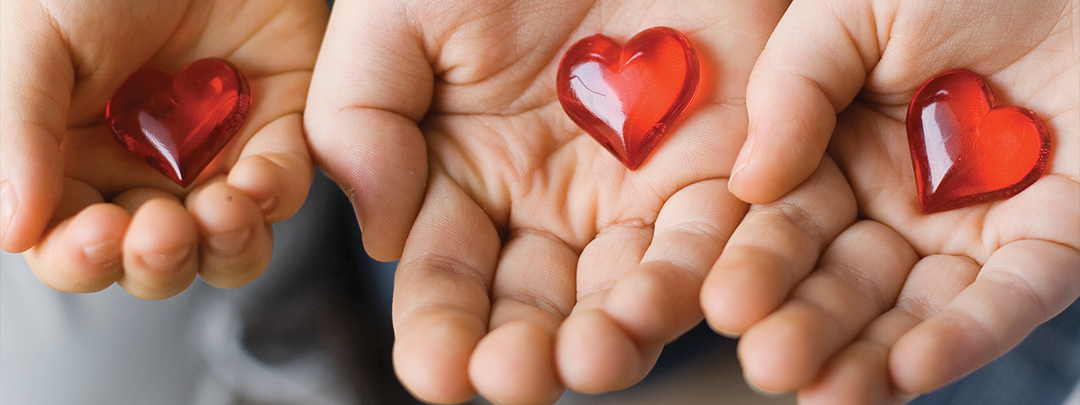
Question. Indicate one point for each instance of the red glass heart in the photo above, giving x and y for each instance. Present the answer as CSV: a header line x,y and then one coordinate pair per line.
x,y
966,150
178,124
628,97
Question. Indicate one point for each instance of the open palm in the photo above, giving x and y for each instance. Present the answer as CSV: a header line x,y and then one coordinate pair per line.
x,y
92,213
901,302
536,259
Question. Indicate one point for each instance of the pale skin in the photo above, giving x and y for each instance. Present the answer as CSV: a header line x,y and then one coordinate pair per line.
x,y
86,212
900,303
531,259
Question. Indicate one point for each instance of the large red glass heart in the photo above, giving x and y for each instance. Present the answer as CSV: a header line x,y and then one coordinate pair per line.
x,y
966,150
178,124
628,98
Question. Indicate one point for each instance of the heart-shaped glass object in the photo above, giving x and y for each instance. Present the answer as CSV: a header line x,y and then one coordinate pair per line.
x,y
628,98
967,150
179,124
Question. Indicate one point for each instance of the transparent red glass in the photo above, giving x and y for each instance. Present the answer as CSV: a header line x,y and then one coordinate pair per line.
x,y
179,124
966,150
628,98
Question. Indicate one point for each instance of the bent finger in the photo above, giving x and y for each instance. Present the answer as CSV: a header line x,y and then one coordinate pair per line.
x,y
235,244
441,301
82,251
774,248
160,250
1019,287
859,278
36,80
812,67
365,101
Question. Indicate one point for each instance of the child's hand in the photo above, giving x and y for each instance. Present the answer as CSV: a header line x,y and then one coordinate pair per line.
x,y
531,259
901,302
89,213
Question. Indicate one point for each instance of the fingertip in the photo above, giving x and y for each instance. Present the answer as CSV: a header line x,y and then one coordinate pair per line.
x,y
515,364
595,355
744,287
856,375
235,244
655,303
160,250
278,191
921,361
83,254
431,355
783,352
781,152
25,212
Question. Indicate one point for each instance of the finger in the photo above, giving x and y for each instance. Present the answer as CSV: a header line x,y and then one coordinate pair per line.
x,y
366,98
36,80
515,364
658,300
859,374
236,244
858,278
160,264
593,354
82,252
856,375
441,302
774,248
274,167
1019,287
533,291
812,67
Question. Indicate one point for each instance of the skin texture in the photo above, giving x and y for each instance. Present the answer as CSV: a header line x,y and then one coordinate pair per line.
x,y
531,259
899,303
86,212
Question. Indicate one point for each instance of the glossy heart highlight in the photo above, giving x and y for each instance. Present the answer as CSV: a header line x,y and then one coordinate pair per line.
x,y
178,124
966,150
628,98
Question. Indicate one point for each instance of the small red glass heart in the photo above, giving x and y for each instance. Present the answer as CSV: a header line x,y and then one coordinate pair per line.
x,y
966,150
178,124
629,97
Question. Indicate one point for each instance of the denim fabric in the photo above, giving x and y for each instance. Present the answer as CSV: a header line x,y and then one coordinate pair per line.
x,y
1042,370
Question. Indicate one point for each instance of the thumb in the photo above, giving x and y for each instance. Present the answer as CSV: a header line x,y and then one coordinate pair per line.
x,y
812,67
365,100
36,80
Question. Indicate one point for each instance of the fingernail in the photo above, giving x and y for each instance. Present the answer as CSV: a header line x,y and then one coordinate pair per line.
x,y
268,205
905,398
759,390
743,160
230,242
9,202
166,260
721,332
729,335
104,252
